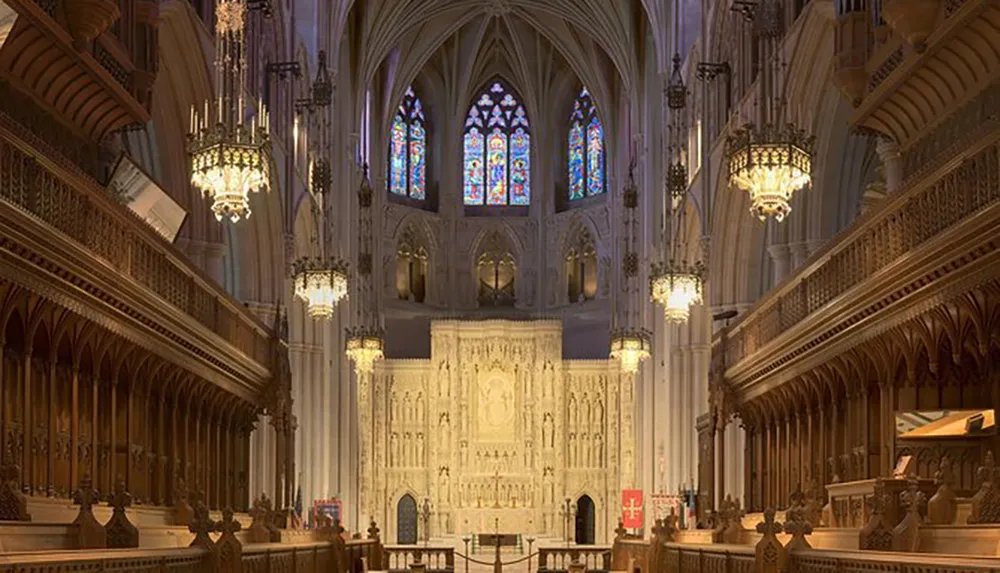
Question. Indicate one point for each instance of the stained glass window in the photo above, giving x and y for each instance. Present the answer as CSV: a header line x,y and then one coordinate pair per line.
x,y
497,149
586,149
408,149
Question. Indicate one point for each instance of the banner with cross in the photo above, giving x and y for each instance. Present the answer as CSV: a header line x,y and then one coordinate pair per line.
x,y
632,516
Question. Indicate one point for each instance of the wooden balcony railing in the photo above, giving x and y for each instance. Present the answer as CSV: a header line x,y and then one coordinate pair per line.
x,y
839,281
740,559
104,249
105,63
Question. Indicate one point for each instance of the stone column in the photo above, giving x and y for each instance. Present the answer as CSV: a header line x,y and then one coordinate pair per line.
x,y
888,152
214,253
800,252
780,256
720,455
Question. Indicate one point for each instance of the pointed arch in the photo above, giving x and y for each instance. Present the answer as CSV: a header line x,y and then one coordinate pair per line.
x,y
406,171
586,159
497,149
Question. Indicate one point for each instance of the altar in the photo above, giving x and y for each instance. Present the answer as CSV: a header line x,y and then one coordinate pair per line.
x,y
495,431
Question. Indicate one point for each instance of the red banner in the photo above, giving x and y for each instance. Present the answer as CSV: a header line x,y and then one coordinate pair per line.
x,y
632,509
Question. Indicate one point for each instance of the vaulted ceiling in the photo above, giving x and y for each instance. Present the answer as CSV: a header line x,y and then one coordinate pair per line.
x,y
463,43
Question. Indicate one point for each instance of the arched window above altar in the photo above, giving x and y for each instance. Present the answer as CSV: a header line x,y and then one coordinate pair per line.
x,y
497,149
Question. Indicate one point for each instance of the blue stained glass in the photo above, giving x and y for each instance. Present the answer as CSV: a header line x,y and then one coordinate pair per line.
x,y
496,117
473,191
397,162
408,149
418,163
576,161
520,168
497,168
595,158
585,158
497,146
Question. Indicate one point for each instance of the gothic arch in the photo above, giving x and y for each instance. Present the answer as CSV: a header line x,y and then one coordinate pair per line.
x,y
495,267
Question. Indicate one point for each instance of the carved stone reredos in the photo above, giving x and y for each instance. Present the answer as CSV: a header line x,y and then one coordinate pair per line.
x,y
496,397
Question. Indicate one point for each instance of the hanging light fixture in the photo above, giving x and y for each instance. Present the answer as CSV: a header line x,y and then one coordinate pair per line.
x,y
630,344
772,158
230,157
320,282
676,284
365,342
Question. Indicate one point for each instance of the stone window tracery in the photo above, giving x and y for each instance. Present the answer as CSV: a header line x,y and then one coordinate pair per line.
x,y
496,164
407,168
586,149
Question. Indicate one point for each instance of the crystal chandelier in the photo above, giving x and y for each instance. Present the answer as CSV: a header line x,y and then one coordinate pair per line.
x,y
365,342
772,158
630,348
676,284
771,163
230,157
630,344
364,347
320,282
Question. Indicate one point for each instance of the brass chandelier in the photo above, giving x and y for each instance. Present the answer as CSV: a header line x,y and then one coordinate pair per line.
x,y
630,344
772,158
365,342
321,282
230,157
676,284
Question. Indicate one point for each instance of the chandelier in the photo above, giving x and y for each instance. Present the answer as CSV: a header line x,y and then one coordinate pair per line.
x,y
771,158
630,344
230,156
365,343
770,163
365,346
630,347
676,284
321,284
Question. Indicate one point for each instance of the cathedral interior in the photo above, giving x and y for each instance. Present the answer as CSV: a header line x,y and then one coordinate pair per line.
x,y
638,286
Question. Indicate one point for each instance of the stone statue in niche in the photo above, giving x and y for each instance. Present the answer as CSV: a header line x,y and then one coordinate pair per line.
x,y
420,449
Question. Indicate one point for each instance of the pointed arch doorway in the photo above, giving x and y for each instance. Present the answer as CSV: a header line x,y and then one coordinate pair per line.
x,y
586,518
406,520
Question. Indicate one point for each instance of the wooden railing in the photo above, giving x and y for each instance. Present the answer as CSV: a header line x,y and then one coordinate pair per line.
x,y
593,557
863,252
434,558
740,559
36,182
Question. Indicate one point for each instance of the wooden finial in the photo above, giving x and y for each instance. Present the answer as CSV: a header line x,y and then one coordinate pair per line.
x,y
770,554
90,533
120,531
13,503
201,525
229,550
